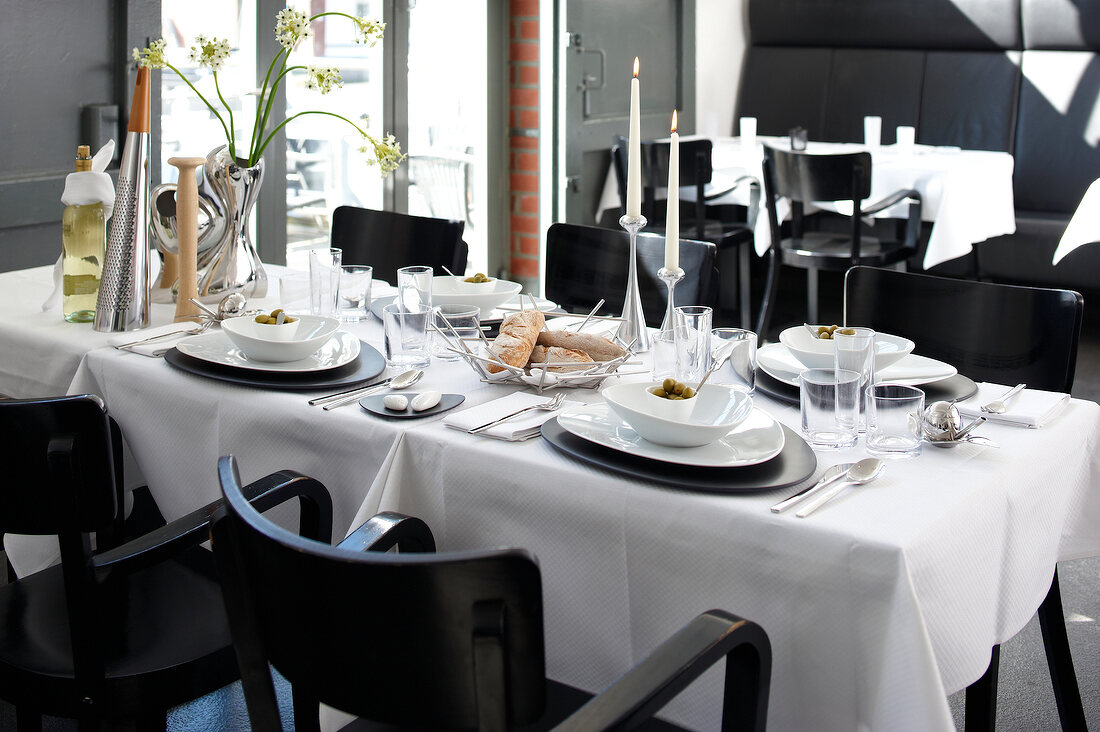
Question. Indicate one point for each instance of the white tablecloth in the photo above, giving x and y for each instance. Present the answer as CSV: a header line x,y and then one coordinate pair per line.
x,y
966,193
1084,227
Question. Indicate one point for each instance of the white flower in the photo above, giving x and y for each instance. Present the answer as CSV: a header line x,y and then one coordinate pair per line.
x,y
387,153
324,78
368,31
291,27
210,53
153,56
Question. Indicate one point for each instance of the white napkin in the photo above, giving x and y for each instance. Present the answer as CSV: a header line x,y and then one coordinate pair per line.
x,y
1030,408
155,348
82,189
521,427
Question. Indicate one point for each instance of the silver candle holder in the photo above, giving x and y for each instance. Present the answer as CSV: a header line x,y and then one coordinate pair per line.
x,y
632,329
670,277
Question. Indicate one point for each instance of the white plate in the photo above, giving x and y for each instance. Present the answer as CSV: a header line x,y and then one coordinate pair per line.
x,y
216,347
757,439
778,362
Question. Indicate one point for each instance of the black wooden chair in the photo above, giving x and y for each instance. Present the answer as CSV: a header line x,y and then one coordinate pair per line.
x,y
585,264
435,641
1005,334
122,632
387,241
725,225
806,177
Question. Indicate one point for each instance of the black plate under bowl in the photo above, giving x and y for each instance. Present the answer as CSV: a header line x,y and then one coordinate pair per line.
x,y
375,405
795,463
957,387
367,365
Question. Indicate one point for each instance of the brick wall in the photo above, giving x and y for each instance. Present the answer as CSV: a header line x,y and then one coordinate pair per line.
x,y
524,236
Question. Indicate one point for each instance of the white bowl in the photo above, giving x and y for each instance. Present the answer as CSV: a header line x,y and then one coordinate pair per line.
x,y
261,342
705,418
446,291
817,353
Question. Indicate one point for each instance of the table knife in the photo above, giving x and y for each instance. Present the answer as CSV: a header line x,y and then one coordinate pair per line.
x,y
830,476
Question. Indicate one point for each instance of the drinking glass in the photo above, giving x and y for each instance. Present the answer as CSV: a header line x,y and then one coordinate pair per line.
x,y
799,138
872,131
355,283
894,415
748,133
856,352
664,354
829,406
294,292
463,320
324,281
414,287
406,337
734,350
907,137
692,343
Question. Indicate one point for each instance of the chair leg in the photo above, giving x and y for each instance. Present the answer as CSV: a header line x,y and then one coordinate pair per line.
x,y
744,275
981,697
811,297
28,720
1052,623
770,287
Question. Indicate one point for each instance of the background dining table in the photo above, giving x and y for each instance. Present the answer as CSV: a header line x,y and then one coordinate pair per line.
x,y
966,194
877,607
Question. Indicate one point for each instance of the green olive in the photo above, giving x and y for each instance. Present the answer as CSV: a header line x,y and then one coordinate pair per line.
x,y
846,331
688,393
678,389
261,318
669,385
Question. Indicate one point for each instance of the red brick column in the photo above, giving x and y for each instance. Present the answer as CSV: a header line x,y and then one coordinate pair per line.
x,y
523,119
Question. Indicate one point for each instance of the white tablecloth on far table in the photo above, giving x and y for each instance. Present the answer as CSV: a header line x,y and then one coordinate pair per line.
x,y
966,193
1084,227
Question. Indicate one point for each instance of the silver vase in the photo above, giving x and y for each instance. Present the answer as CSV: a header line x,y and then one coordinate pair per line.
x,y
227,259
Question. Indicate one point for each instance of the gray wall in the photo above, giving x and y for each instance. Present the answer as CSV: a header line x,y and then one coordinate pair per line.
x,y
57,57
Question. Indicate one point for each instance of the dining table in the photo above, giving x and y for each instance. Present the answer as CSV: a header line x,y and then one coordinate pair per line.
x,y
966,195
877,606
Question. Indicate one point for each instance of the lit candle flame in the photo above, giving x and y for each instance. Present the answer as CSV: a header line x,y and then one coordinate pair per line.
x,y
636,67
674,120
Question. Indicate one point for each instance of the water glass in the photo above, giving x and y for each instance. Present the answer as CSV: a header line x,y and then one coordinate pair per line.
x,y
406,337
734,350
829,406
324,281
463,321
355,283
907,138
894,414
664,354
872,132
414,287
748,133
692,342
856,352
294,292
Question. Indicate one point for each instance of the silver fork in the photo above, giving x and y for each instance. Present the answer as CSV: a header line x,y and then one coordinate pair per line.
x,y
548,406
171,334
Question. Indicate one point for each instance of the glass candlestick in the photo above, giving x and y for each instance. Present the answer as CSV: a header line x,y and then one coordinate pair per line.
x,y
670,277
633,329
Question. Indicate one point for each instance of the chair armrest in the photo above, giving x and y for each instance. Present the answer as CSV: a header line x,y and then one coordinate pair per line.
x,y
643,690
388,529
194,528
892,200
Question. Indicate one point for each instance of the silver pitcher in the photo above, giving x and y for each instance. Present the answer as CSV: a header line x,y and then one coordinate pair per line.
x,y
227,259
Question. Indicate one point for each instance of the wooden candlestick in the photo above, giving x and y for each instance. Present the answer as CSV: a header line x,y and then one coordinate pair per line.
x,y
187,231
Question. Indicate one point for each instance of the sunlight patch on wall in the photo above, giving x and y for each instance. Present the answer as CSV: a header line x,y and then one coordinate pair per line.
x,y
1058,76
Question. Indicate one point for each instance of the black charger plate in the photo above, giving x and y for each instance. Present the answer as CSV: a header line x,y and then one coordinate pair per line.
x,y
375,405
957,387
367,365
795,463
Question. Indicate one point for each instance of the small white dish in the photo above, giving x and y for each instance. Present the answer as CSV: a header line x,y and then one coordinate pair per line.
x,y
777,361
267,343
700,420
462,284
446,290
215,347
757,439
817,353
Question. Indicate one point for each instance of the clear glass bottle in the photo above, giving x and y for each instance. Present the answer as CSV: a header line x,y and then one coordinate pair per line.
x,y
83,241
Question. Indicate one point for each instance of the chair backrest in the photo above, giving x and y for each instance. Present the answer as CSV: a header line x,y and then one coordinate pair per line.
x,y
587,263
806,177
412,639
990,332
445,184
387,241
696,170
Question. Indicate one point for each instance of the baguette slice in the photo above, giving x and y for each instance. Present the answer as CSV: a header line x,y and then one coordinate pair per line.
x,y
517,338
596,346
567,357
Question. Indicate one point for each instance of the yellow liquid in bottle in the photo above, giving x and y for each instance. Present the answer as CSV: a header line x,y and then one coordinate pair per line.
x,y
83,242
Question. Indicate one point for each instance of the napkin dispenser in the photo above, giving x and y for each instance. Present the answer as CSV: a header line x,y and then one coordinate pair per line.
x,y
123,302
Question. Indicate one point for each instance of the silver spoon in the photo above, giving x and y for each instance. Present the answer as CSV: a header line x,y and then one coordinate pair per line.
x,y
972,439
829,477
1000,406
862,472
401,381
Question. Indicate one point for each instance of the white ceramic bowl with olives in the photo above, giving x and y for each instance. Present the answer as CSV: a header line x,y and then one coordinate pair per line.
x,y
698,420
267,342
447,290
817,353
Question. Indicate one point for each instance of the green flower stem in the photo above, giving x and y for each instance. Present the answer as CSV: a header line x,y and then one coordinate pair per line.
x,y
296,116
228,136
256,128
232,127
267,111
352,18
